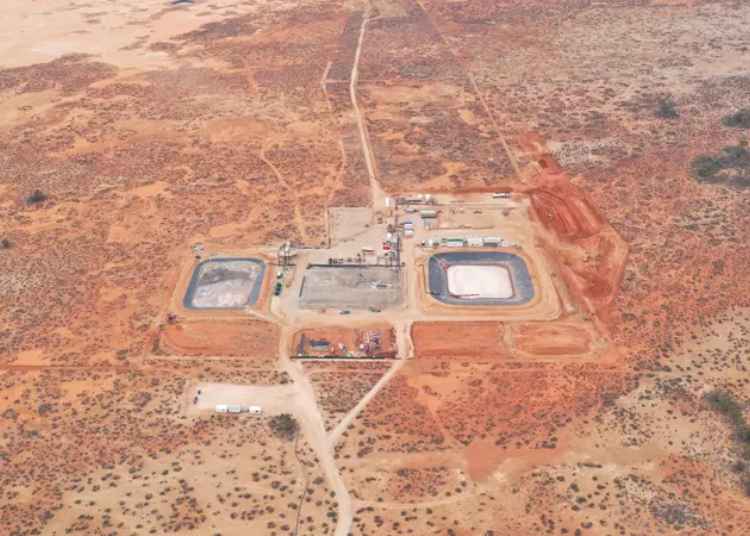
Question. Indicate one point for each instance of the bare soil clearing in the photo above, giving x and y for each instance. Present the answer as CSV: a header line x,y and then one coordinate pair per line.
x,y
253,339
459,340
552,339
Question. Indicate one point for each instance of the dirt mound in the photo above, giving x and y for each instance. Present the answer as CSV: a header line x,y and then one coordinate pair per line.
x,y
570,216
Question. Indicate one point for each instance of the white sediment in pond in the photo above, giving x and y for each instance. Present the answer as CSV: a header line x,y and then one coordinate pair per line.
x,y
470,281
225,294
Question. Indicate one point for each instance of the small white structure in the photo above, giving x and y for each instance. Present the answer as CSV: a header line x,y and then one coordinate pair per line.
x,y
428,213
236,408
475,242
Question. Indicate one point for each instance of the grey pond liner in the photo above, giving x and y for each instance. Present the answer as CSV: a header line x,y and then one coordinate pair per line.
x,y
200,269
523,288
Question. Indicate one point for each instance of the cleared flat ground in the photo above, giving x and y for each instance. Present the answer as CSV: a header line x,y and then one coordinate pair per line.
x,y
272,399
350,287
453,340
253,339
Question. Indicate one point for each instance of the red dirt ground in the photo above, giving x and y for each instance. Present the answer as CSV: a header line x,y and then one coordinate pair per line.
x,y
473,341
551,339
254,339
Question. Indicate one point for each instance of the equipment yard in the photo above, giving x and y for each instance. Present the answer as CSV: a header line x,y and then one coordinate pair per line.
x,y
355,287
375,341
375,268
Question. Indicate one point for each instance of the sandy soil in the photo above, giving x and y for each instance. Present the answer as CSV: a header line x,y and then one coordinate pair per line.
x,y
152,128
272,399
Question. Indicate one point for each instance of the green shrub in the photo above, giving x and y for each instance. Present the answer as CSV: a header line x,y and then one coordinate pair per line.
x,y
284,426
666,109
739,119
725,404
731,165
37,196
705,167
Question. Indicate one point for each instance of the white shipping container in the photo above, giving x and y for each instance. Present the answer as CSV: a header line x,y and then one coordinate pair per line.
x,y
476,242
256,410
233,408
221,408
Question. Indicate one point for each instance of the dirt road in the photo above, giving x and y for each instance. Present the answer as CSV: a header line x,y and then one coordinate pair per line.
x,y
313,426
